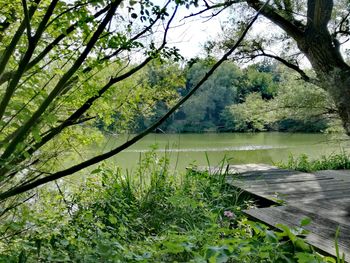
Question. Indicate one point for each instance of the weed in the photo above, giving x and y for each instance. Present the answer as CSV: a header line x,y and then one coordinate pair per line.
x,y
148,217
302,163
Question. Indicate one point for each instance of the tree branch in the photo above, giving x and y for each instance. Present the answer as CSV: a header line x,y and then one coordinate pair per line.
x,y
21,133
114,151
86,106
27,20
11,47
296,68
24,61
208,7
7,75
293,27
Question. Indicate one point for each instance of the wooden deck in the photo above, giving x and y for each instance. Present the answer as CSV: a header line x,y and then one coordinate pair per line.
x,y
324,197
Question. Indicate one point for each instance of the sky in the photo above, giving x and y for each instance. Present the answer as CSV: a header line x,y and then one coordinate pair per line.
x,y
189,34
192,33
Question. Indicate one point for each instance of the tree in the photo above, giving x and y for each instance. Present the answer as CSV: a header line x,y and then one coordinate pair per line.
x,y
141,99
59,63
316,28
202,112
252,115
261,78
295,106
166,80
65,45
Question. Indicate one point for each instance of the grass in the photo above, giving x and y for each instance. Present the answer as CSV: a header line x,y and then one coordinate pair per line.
x,y
149,216
335,161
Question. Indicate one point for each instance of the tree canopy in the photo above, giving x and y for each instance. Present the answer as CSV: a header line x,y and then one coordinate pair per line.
x,y
72,57
314,29
65,65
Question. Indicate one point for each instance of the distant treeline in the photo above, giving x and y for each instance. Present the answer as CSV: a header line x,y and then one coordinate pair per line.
x,y
260,97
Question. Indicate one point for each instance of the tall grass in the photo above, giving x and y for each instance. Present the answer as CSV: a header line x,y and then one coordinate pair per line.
x,y
335,161
148,216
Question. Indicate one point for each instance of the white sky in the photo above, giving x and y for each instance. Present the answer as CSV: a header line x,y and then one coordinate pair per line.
x,y
189,34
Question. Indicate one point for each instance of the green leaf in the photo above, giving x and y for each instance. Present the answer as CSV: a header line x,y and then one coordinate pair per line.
x,y
305,221
303,257
112,219
36,134
96,171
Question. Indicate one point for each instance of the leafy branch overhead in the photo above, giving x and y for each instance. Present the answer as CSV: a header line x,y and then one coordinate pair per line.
x,y
292,32
67,65
59,68
48,75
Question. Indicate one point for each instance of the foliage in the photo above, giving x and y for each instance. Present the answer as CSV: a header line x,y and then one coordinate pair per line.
x,y
252,115
335,161
295,106
141,100
258,98
66,67
261,97
295,34
150,216
202,111
263,78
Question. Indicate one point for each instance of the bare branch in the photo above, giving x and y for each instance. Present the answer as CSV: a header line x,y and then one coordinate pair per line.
x,y
69,207
296,68
208,7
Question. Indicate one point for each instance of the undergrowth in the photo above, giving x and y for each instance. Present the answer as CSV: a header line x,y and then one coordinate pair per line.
x,y
335,161
149,216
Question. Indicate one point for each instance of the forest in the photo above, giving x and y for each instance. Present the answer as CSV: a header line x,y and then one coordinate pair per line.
x,y
75,71
260,97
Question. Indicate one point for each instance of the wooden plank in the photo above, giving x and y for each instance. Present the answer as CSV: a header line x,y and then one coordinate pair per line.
x,y
342,201
337,213
300,188
274,174
278,179
322,229
300,192
287,183
235,169
338,174
329,195
320,196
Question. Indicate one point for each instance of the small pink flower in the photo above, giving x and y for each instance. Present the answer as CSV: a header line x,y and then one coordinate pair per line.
x,y
229,214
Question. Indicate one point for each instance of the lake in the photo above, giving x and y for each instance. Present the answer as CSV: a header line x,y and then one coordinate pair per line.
x,y
186,149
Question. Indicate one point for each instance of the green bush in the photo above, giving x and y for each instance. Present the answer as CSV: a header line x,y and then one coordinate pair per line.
x,y
335,161
150,216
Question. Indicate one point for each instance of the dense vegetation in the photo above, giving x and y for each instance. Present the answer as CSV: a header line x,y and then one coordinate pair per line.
x,y
260,97
335,161
150,216
69,66
70,70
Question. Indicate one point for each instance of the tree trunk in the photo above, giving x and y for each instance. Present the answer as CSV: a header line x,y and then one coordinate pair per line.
x,y
337,83
320,47
331,69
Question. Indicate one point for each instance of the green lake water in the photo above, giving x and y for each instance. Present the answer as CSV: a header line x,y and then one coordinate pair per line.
x,y
186,149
